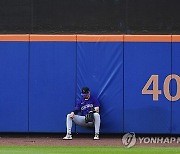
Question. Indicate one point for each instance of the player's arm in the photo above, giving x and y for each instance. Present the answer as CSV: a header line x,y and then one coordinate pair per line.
x,y
75,111
96,106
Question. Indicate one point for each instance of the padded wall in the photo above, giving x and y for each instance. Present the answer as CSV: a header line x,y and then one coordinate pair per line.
x,y
41,77
14,86
100,67
142,59
176,84
52,83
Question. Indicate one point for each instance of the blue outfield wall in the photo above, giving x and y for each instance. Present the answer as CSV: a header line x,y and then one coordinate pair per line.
x,y
142,114
100,67
14,86
52,85
136,81
176,87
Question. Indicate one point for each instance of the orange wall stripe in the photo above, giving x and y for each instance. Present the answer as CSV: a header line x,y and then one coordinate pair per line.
x,y
90,38
99,38
24,37
147,38
66,38
175,38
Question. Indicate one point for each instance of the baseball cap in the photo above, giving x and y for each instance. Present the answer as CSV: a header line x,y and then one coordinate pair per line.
x,y
85,91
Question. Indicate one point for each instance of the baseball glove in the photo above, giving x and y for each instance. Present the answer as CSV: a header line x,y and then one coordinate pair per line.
x,y
89,117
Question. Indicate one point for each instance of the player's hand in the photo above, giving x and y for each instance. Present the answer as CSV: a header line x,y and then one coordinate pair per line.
x,y
72,114
96,109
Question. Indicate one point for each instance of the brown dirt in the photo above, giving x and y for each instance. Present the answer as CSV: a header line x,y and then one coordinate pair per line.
x,y
78,140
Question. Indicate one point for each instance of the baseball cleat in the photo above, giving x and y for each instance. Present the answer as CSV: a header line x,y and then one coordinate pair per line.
x,y
96,137
67,137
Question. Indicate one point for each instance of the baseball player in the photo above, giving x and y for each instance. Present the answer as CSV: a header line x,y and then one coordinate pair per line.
x,y
88,107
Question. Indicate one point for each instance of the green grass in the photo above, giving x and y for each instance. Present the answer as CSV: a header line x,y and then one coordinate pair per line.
x,y
86,150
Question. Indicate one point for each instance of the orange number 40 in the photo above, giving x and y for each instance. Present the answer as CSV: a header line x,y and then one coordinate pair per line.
x,y
155,87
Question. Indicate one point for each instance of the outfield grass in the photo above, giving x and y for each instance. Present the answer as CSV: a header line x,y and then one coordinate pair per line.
x,y
86,150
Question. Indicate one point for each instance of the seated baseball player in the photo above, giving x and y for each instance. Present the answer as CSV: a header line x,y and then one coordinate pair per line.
x,y
88,107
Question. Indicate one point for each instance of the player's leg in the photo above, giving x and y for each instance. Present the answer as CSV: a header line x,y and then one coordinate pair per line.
x,y
80,120
97,122
68,127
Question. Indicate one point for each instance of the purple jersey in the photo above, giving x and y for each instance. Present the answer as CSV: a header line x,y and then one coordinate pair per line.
x,y
85,106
